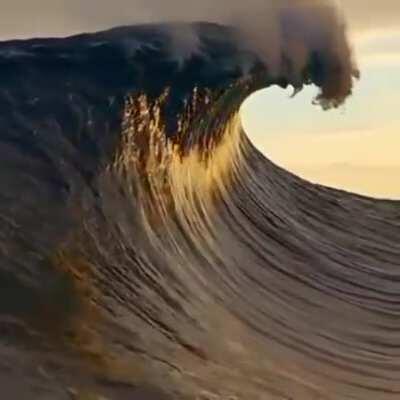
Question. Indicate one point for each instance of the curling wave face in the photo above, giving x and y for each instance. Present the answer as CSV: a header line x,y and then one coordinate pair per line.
x,y
145,241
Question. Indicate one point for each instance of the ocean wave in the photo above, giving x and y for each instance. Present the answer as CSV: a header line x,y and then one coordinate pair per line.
x,y
148,242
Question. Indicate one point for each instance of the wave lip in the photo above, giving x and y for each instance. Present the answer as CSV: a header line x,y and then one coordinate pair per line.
x,y
141,225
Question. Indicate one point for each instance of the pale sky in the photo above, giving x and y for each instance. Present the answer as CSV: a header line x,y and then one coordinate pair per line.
x,y
355,148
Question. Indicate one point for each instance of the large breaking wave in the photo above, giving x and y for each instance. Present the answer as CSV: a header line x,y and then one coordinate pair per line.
x,y
146,242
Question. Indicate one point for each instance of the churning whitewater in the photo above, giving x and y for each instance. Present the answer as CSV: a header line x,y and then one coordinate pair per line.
x,y
148,250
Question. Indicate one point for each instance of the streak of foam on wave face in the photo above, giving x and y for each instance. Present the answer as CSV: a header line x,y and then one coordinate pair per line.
x,y
183,176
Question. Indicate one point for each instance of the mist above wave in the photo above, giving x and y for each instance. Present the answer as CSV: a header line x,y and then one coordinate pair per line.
x,y
286,35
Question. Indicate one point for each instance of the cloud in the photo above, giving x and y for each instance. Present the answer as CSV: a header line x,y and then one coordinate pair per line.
x,y
371,15
60,17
